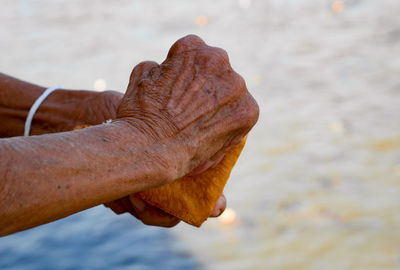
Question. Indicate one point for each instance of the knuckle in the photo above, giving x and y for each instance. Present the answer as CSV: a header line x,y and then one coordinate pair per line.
x,y
186,43
212,60
219,55
190,40
217,59
239,83
222,55
247,115
252,112
249,108
141,68
146,65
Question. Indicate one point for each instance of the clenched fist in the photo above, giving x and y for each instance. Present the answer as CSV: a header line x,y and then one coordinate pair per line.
x,y
176,118
193,105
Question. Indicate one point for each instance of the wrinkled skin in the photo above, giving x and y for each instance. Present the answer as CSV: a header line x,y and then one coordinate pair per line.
x,y
191,93
62,111
193,107
98,108
191,99
106,104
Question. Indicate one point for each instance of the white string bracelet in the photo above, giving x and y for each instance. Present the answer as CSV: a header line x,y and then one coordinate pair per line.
x,y
35,107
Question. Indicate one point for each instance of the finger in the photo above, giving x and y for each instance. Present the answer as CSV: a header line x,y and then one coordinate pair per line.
x,y
181,75
189,96
219,207
184,44
126,203
116,207
108,102
141,71
209,164
200,88
151,215
217,158
114,99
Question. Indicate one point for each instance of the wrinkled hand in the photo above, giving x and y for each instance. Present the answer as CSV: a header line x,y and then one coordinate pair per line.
x,y
98,108
193,104
106,104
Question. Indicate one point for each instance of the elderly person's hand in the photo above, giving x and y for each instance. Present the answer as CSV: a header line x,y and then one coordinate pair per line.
x,y
176,118
100,107
193,105
172,101
92,108
88,107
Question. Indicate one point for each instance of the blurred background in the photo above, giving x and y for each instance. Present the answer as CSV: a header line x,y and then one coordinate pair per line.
x,y
318,184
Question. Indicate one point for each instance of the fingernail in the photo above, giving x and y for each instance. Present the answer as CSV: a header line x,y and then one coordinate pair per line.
x,y
137,203
216,212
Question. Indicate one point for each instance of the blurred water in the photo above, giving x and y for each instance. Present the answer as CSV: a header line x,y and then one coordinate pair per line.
x,y
317,186
94,239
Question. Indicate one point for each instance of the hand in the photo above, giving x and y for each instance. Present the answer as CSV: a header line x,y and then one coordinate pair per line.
x,y
193,105
61,111
96,107
73,108
151,215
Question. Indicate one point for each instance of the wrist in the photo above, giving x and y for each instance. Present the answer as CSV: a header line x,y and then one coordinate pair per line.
x,y
60,111
163,160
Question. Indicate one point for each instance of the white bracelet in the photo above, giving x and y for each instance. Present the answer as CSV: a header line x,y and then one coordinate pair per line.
x,y
35,106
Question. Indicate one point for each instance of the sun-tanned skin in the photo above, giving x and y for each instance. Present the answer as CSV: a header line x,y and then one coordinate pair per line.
x,y
173,118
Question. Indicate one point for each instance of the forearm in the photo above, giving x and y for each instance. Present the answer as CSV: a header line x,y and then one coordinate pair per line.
x,y
55,114
48,177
